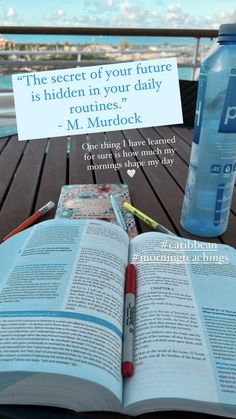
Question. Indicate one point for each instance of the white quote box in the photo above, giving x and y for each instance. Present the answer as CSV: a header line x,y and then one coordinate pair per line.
x,y
97,99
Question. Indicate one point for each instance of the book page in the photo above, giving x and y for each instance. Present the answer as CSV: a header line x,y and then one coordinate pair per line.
x,y
172,357
61,302
214,283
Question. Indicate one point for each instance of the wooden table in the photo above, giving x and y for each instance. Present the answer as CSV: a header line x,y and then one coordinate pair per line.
x,y
32,173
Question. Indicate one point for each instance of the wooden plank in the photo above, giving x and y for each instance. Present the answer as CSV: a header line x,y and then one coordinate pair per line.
x,y
54,174
182,148
233,205
179,169
188,91
184,132
3,142
78,172
105,174
19,203
229,236
9,160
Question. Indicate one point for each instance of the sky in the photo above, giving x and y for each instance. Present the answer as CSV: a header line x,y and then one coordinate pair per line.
x,y
200,14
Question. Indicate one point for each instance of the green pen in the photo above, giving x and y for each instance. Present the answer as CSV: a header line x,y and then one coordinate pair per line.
x,y
118,213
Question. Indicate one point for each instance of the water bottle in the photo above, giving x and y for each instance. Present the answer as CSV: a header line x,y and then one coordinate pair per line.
x,y
212,167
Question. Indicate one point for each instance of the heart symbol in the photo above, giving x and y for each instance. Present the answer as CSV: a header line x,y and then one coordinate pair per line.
x,y
131,173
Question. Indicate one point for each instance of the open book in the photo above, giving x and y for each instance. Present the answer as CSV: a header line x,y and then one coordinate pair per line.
x,y
61,317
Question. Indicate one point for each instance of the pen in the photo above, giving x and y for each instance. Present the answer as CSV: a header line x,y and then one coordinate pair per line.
x,y
29,221
119,216
152,223
127,368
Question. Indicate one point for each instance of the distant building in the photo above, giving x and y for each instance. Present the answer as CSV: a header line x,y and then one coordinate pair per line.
x,y
6,43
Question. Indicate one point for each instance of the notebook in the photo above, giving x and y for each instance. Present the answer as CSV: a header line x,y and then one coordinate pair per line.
x,y
93,202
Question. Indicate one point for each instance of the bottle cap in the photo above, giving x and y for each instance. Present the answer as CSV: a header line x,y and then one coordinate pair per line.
x,y
227,32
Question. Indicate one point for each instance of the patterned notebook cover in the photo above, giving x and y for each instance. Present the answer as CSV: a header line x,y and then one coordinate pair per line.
x,y
93,201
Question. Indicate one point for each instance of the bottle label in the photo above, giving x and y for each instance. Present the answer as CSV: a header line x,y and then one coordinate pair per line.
x,y
200,104
218,204
228,117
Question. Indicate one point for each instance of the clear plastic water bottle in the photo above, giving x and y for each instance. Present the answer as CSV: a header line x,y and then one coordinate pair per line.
x,y
212,168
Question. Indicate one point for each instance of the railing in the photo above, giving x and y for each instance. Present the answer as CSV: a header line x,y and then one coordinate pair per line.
x,y
197,34
14,60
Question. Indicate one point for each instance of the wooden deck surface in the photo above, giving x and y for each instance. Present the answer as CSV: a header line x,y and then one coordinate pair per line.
x,y
32,173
